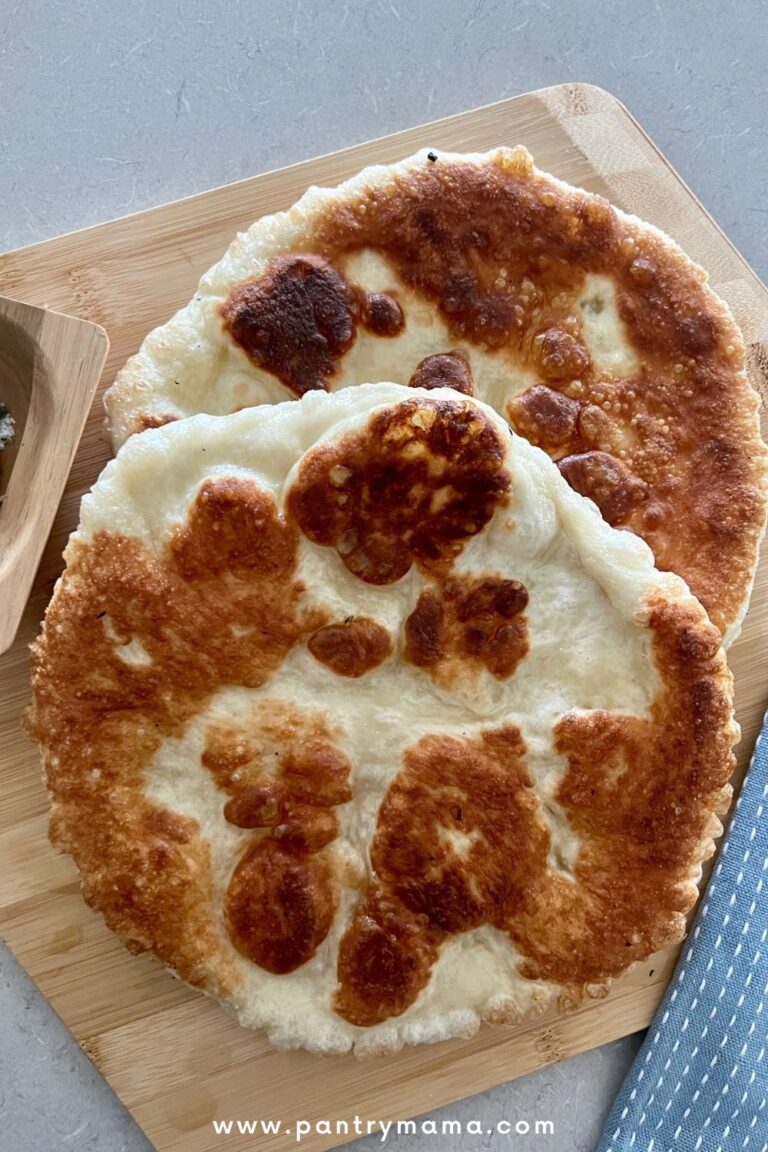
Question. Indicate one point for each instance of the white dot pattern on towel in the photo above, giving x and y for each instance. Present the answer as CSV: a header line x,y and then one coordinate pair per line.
x,y
700,1081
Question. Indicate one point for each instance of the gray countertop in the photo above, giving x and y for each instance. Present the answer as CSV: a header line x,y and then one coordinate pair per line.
x,y
109,107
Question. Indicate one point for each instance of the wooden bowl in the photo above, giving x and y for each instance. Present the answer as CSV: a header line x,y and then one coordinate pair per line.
x,y
50,366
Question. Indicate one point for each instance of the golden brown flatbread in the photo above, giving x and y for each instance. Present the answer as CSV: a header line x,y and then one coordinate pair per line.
x,y
590,331
364,722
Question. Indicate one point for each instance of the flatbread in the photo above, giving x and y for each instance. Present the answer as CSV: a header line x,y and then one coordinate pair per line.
x,y
590,331
365,723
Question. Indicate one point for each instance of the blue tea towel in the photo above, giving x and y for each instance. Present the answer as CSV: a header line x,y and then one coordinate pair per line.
x,y
700,1081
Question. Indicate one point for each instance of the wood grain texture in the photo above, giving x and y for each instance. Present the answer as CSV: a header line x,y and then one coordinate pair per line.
x,y
49,370
177,1060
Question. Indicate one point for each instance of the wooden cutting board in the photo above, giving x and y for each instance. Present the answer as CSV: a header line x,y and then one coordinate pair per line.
x,y
175,1058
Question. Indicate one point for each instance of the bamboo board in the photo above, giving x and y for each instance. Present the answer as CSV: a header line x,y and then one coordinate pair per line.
x,y
176,1059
